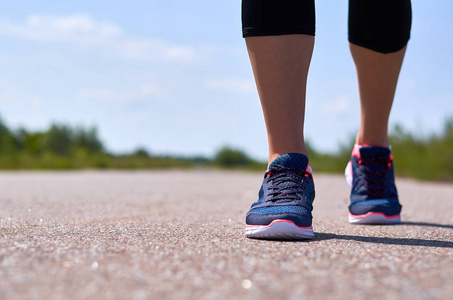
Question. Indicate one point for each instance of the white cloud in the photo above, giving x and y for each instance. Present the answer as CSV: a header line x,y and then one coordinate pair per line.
x,y
11,97
83,30
230,85
143,92
80,28
179,53
152,90
340,105
97,94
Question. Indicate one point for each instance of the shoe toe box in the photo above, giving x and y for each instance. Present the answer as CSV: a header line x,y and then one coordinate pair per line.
x,y
299,215
388,207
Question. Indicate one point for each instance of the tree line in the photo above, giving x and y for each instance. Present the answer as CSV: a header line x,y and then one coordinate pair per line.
x,y
427,157
71,147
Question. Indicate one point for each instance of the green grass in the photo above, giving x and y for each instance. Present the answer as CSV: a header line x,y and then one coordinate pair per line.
x,y
63,147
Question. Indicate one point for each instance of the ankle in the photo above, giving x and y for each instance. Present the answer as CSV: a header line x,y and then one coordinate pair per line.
x,y
377,141
273,156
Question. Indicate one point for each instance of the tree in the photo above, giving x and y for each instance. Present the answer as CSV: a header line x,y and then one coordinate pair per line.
x,y
7,140
59,140
87,139
229,157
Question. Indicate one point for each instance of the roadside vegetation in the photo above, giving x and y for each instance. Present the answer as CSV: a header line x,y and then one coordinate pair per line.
x,y
66,147
427,157
62,147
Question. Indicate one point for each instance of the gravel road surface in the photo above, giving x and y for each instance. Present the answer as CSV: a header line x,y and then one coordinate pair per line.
x,y
180,235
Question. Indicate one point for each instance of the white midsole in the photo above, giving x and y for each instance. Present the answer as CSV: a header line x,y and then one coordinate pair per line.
x,y
279,230
374,219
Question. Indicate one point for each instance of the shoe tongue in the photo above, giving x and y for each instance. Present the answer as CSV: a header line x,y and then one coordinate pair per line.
x,y
373,152
291,160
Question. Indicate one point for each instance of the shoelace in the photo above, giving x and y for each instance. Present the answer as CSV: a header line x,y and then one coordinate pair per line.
x,y
286,183
374,175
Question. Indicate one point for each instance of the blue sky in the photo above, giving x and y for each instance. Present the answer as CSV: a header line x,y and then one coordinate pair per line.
x,y
174,76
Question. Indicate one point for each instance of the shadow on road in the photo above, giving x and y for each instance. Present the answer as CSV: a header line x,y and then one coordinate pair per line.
x,y
425,224
384,240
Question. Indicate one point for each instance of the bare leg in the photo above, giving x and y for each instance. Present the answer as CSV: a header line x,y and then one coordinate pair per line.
x,y
377,75
280,65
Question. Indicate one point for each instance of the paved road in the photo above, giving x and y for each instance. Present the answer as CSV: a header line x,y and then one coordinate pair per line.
x,y
180,235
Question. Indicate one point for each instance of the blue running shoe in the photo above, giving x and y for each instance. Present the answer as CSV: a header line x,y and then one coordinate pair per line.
x,y
374,199
283,210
